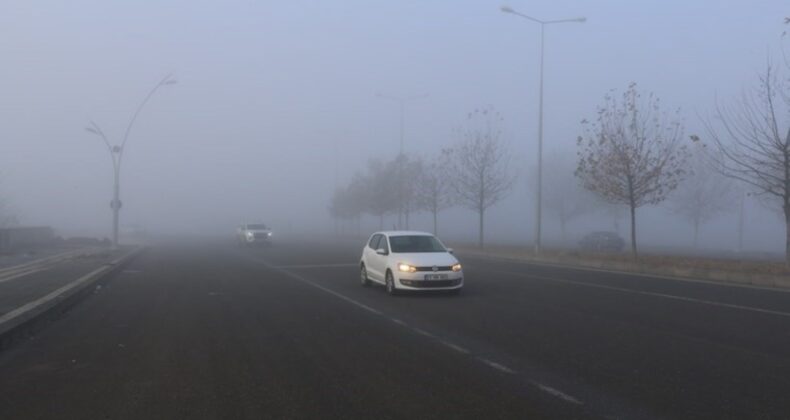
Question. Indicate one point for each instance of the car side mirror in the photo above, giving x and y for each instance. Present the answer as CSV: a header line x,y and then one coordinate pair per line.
x,y
381,251
450,251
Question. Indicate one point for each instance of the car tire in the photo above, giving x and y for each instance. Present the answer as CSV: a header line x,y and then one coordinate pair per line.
x,y
389,284
363,276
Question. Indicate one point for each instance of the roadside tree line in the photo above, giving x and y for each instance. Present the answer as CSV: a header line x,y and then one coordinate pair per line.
x,y
632,154
474,172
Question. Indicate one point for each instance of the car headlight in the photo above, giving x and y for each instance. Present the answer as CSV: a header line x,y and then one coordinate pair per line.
x,y
407,268
250,234
268,234
457,267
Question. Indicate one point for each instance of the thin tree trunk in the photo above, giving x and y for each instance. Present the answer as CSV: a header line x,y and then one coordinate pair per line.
x,y
787,234
633,232
435,222
481,211
562,229
696,233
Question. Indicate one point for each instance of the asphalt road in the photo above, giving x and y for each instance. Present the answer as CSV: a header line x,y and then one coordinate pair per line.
x,y
211,330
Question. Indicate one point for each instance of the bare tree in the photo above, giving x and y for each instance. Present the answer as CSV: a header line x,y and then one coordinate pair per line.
x,y
752,142
380,186
703,196
632,153
411,173
434,188
482,176
565,199
347,204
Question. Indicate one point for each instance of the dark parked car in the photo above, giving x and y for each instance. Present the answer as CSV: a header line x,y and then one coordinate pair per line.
x,y
602,241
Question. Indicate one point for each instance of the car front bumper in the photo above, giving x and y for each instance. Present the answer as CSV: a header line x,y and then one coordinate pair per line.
x,y
417,281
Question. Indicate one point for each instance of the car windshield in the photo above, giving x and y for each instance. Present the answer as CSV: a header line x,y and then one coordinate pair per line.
x,y
415,243
257,227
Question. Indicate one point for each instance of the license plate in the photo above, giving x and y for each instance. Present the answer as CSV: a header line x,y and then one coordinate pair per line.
x,y
436,277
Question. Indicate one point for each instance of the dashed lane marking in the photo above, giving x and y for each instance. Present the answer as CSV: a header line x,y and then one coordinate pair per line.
x,y
557,393
490,363
497,366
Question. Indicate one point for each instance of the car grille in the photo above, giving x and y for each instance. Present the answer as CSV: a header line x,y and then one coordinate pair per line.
x,y
259,235
438,268
433,283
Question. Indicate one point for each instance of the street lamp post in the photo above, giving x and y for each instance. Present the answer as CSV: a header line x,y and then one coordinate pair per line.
x,y
401,101
116,154
543,23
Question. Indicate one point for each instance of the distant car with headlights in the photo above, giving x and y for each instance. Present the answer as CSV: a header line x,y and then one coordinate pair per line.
x,y
254,234
602,241
406,260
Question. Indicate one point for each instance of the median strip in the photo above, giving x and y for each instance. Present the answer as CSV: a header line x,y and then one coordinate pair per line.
x,y
28,312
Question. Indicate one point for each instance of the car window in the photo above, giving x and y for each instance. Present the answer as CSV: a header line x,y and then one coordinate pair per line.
x,y
416,243
383,244
374,241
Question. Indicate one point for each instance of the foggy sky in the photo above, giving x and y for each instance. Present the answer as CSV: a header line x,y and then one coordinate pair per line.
x,y
275,103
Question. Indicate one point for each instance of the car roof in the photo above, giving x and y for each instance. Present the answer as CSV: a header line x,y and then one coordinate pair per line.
x,y
404,233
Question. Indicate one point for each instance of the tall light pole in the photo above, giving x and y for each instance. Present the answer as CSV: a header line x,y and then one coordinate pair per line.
x,y
401,101
116,154
543,23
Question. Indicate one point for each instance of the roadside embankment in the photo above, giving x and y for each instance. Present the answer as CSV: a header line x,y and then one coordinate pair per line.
x,y
757,273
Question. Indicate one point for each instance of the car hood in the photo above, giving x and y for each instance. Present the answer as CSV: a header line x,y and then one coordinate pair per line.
x,y
425,259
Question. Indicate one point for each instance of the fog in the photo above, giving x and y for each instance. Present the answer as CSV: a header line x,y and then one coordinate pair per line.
x,y
276,103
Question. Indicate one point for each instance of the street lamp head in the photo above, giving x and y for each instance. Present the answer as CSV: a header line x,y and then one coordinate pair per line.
x,y
580,20
507,9
171,82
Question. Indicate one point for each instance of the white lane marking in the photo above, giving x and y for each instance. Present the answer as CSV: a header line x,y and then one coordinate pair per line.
x,y
39,262
22,274
422,332
654,294
557,393
631,273
318,265
454,347
497,366
490,363
399,322
317,286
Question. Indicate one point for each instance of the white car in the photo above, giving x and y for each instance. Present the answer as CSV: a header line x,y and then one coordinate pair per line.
x,y
404,260
254,233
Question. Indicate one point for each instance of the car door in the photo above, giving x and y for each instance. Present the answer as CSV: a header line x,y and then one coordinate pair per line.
x,y
379,261
370,256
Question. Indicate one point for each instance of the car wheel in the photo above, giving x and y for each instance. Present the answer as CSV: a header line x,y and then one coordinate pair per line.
x,y
389,283
363,276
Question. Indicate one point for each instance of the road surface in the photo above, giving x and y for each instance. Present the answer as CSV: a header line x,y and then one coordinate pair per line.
x,y
211,330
